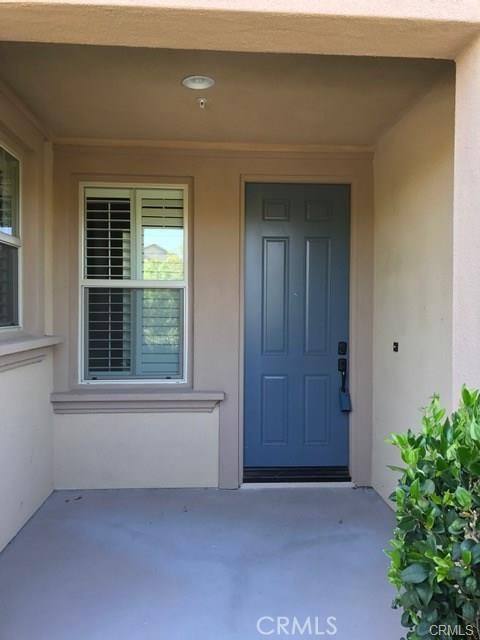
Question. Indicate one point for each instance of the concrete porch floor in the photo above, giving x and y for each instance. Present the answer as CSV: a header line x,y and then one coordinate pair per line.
x,y
198,564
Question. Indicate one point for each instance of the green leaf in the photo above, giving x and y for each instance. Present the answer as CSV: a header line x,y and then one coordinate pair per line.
x,y
415,489
466,396
405,620
456,551
447,432
414,574
409,599
423,629
443,563
467,557
430,613
399,497
398,440
471,584
457,574
465,455
474,468
428,487
475,431
410,456
394,467
476,553
463,497
407,524
431,542
448,497
467,544
469,612
457,527
395,557
430,521
425,592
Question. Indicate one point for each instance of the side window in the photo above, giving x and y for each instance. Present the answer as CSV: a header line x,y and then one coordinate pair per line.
x,y
134,286
9,238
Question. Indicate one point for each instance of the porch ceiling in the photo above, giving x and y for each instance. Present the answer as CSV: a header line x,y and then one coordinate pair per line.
x,y
136,94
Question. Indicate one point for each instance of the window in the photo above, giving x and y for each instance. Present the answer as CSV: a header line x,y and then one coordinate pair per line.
x,y
9,238
134,286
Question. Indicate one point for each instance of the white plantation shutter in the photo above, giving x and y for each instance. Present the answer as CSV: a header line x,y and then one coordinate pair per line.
x,y
109,329
134,319
166,210
107,237
8,285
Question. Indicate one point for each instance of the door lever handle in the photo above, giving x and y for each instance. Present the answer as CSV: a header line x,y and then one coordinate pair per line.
x,y
344,395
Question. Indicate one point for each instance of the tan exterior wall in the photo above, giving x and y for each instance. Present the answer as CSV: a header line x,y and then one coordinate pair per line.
x,y
136,450
466,221
26,377
218,313
26,451
413,172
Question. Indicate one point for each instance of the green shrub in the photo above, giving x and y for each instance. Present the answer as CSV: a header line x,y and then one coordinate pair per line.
x,y
435,551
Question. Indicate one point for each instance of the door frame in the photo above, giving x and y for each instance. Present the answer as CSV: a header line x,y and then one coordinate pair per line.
x,y
360,305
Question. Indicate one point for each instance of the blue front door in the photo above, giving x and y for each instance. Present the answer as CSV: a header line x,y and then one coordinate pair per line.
x,y
296,324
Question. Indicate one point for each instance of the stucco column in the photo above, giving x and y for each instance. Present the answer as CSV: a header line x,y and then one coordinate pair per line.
x,y
466,223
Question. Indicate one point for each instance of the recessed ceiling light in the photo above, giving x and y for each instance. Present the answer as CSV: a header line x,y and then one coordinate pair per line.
x,y
198,82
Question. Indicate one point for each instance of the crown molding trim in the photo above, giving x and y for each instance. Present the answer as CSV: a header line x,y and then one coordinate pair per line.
x,y
186,145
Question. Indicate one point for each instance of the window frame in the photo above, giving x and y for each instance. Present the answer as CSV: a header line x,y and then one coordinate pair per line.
x,y
184,284
16,241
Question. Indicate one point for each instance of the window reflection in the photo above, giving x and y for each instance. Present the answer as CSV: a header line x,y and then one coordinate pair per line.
x,y
162,254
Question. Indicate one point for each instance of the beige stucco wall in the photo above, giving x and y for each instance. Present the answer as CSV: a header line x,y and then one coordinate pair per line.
x,y
413,173
136,450
26,377
217,309
26,452
466,230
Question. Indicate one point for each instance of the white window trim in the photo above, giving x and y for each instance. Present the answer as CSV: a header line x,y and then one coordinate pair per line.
x,y
83,283
16,241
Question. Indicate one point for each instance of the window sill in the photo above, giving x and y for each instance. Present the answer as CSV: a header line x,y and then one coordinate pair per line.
x,y
121,401
18,349
17,342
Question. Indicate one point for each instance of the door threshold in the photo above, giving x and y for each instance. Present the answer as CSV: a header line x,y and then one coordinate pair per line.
x,y
296,474
298,485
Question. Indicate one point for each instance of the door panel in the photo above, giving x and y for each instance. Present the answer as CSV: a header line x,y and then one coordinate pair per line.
x,y
275,295
274,410
296,313
317,409
317,296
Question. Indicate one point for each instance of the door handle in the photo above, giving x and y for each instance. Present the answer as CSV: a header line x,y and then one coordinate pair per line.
x,y
344,393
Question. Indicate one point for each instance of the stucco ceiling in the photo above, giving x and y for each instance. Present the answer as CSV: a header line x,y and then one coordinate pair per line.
x,y
120,93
